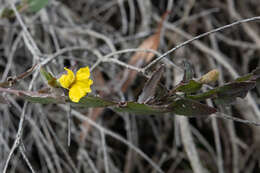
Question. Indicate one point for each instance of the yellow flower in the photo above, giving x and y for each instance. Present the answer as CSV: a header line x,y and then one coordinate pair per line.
x,y
78,85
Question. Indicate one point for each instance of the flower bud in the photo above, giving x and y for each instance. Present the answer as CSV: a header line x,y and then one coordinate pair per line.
x,y
210,77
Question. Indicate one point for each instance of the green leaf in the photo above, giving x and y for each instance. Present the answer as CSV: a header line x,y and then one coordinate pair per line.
x,y
228,93
190,87
93,102
36,5
244,78
181,107
46,98
189,107
235,89
46,74
37,97
203,96
253,76
139,108
7,13
52,81
42,100
87,102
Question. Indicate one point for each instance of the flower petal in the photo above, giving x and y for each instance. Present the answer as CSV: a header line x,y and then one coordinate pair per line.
x,y
67,79
90,82
76,93
83,73
79,89
84,85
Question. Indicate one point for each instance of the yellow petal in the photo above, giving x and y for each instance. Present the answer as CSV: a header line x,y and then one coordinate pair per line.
x,y
78,90
76,93
84,85
90,82
67,79
83,73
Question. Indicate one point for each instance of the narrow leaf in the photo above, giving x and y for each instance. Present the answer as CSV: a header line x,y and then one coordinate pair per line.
x,y
150,86
46,98
36,5
42,98
190,87
227,93
236,89
93,102
52,81
191,108
244,78
141,109
203,96
46,74
253,76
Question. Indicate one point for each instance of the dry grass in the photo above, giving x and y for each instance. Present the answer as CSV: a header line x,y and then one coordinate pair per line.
x,y
104,35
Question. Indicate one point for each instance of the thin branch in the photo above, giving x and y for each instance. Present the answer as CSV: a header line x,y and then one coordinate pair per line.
x,y
199,37
22,150
115,136
189,146
27,37
228,117
17,138
103,140
69,124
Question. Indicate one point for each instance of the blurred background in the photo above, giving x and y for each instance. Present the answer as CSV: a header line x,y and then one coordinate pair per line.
x,y
88,33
